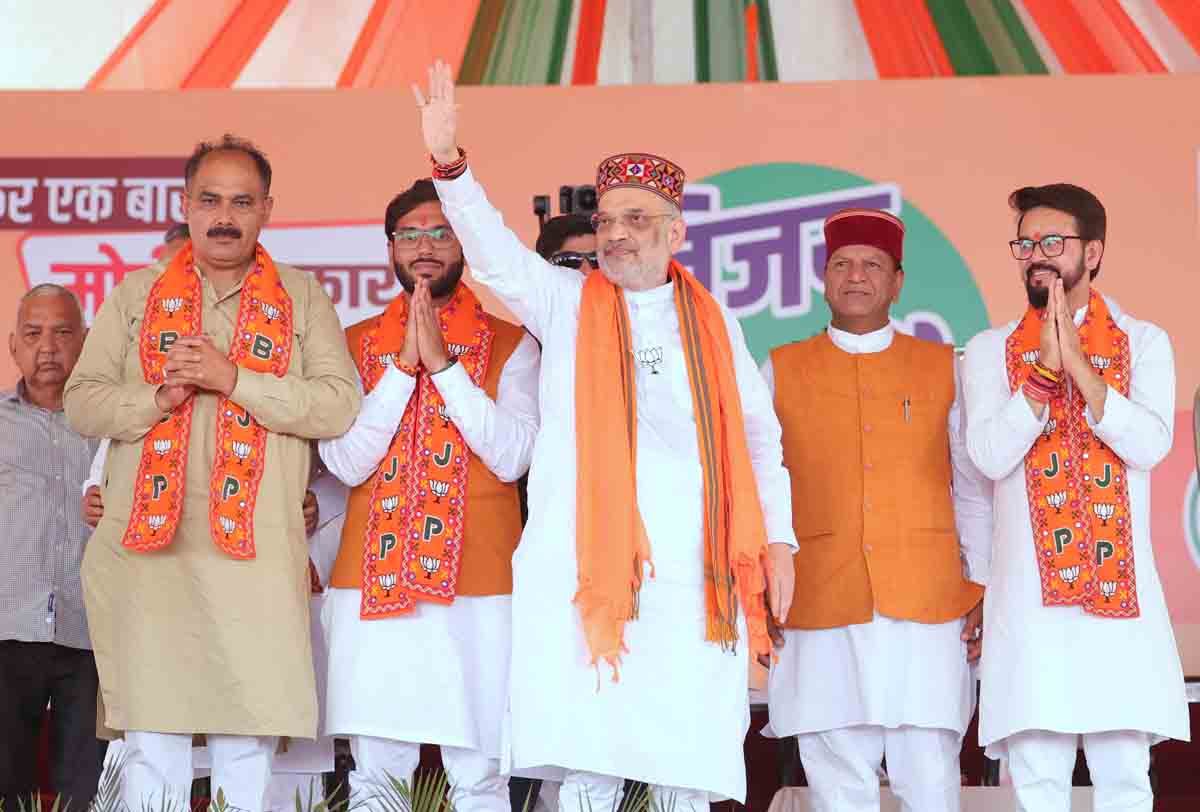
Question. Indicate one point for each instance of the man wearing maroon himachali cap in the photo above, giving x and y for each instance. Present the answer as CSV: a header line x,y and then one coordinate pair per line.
x,y
657,444
877,643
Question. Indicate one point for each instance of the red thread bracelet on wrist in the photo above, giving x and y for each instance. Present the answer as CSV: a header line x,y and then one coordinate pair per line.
x,y
451,170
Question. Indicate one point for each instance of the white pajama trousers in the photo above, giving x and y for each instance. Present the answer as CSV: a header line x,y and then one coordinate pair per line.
x,y
158,769
843,768
1040,763
602,793
476,784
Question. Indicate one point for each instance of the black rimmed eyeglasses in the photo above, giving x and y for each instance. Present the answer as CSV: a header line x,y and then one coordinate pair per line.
x,y
1052,245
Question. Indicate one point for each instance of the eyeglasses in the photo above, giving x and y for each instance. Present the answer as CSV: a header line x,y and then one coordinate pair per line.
x,y
1052,245
439,235
632,220
574,259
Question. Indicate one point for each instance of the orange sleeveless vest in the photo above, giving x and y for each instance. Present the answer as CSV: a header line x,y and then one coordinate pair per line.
x,y
493,521
871,501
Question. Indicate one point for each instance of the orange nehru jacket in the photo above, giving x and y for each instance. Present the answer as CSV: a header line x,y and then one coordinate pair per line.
x,y
493,517
871,482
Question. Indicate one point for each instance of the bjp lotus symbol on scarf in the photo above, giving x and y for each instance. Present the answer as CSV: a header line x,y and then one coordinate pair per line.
x,y
162,446
430,564
439,488
1056,500
1101,363
171,306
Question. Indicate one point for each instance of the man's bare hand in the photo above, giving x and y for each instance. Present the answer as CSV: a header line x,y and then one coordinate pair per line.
x,y
195,361
312,512
439,114
93,506
431,343
410,353
781,580
972,632
168,398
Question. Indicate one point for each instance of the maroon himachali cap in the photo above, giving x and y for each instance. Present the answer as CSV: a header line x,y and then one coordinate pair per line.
x,y
873,227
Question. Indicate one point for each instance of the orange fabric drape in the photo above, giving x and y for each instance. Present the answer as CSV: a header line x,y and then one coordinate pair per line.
x,y
752,42
587,42
1067,32
165,46
222,62
903,39
399,41
1185,14
1119,36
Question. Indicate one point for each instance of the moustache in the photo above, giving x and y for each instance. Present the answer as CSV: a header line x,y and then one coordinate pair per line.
x,y
1041,266
224,231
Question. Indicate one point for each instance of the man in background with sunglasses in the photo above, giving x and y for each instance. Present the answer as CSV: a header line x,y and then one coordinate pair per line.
x,y
1069,409
569,241
418,613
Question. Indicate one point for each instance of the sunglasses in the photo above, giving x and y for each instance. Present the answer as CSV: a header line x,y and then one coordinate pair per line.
x,y
573,259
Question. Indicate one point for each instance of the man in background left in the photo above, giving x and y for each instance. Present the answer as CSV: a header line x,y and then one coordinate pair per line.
x,y
45,650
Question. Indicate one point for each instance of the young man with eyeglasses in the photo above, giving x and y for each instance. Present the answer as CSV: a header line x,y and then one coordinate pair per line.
x,y
419,608
1069,409
658,446
569,241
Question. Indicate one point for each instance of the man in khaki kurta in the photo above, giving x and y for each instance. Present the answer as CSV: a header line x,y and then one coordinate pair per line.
x,y
188,638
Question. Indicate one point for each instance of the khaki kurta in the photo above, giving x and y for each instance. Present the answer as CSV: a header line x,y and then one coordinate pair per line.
x,y
187,639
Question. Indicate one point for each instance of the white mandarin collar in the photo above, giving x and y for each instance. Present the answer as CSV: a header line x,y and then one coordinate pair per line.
x,y
855,344
651,297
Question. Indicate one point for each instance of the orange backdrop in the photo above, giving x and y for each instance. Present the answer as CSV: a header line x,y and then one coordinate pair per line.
x,y
956,147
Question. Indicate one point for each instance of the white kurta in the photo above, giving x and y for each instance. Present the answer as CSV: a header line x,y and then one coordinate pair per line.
x,y
888,672
679,714
1058,668
440,674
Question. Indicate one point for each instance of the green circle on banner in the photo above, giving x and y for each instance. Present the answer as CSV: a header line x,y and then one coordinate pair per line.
x,y
779,201
1191,518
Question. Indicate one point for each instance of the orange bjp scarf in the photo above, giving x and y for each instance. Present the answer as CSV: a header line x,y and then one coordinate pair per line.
x,y
611,545
262,342
416,524
1077,486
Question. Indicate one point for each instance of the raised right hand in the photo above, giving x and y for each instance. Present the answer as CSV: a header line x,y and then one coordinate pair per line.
x,y
439,114
93,506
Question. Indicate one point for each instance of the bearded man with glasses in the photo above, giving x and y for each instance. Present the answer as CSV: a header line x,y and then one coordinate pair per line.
x,y
417,618
1069,409
658,444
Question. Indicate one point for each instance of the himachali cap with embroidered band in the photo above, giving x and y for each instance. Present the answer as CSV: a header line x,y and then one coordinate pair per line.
x,y
873,227
642,171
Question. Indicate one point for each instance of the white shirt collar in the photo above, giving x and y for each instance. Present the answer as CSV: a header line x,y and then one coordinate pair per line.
x,y
645,298
855,344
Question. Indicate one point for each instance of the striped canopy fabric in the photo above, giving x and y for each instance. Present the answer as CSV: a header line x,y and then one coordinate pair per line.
x,y
180,44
